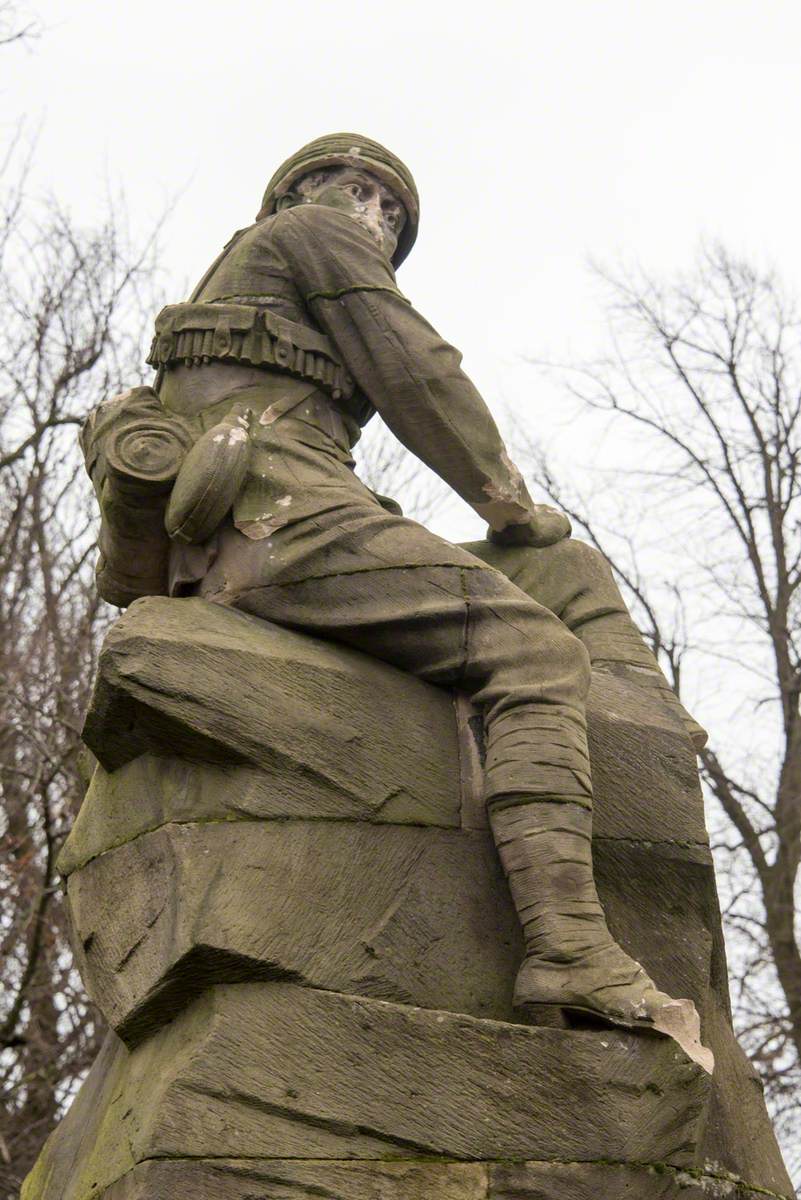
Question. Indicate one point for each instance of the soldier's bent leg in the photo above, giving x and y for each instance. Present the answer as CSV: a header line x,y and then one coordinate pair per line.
x,y
574,581
461,625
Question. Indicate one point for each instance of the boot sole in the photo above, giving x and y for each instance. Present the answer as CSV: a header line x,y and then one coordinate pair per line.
x,y
574,1016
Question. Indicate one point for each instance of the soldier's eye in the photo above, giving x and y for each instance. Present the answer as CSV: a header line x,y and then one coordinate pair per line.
x,y
393,216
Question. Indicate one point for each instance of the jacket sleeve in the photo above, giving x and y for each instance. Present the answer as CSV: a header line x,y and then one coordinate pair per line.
x,y
410,375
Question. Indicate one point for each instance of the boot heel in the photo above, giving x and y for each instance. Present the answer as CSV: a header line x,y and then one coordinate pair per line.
x,y
548,1016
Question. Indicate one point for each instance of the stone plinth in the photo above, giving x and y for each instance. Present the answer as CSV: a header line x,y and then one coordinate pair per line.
x,y
287,904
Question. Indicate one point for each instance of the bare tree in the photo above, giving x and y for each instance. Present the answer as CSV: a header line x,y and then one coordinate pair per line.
x,y
699,511
71,333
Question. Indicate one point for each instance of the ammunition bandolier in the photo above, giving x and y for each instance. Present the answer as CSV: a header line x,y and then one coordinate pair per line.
x,y
244,330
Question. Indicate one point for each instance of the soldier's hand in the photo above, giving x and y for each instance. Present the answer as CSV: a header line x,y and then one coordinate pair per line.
x,y
545,526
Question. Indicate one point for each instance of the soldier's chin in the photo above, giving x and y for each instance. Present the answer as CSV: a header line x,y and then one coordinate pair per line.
x,y
386,244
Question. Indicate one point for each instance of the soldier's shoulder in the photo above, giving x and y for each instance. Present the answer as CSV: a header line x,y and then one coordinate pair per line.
x,y
255,232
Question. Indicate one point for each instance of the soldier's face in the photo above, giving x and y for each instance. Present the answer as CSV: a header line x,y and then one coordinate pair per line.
x,y
367,200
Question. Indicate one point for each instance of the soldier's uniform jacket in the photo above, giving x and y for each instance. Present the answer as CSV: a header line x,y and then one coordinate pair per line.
x,y
308,298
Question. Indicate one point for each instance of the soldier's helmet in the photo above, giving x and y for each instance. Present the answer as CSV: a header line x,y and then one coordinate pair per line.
x,y
350,150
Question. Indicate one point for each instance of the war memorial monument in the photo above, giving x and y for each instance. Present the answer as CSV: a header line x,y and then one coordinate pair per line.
x,y
391,879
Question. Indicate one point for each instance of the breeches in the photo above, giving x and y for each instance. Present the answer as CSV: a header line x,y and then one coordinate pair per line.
x,y
387,586
574,581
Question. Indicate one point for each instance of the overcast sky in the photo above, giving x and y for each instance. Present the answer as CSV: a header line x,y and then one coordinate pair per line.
x,y
540,135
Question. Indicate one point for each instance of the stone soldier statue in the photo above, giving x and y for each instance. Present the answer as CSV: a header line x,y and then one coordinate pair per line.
x,y
293,339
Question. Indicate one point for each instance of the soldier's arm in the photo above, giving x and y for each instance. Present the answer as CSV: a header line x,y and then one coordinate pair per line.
x,y
407,371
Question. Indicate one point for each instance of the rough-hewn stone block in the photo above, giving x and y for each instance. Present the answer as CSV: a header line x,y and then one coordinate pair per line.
x,y
272,1179
644,771
417,915
272,1070
193,679
660,902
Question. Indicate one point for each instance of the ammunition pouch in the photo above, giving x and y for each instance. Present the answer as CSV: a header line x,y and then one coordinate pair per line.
x,y
195,333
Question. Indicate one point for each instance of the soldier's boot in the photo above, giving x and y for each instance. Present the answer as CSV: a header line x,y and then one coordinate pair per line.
x,y
572,962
